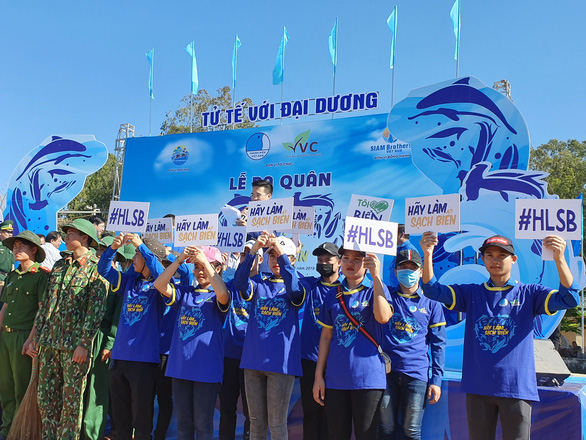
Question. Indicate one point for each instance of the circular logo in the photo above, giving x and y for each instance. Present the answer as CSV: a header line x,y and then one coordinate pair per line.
x,y
504,302
258,146
180,155
412,309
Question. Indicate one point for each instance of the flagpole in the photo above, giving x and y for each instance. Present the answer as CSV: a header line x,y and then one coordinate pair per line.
x,y
336,61
393,87
459,39
150,114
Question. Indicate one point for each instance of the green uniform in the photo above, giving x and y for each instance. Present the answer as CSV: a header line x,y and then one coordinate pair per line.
x,y
70,316
97,392
23,291
6,261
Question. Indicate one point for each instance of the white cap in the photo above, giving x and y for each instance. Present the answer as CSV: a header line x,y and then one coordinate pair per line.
x,y
288,246
249,245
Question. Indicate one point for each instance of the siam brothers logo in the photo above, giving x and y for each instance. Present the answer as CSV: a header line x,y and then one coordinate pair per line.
x,y
392,148
180,155
258,146
302,145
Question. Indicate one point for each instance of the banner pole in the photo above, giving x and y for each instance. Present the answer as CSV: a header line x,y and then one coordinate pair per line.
x,y
150,115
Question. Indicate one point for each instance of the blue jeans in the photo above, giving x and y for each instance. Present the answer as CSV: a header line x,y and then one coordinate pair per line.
x,y
194,404
404,400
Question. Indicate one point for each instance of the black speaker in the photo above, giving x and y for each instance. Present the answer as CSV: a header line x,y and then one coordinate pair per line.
x,y
549,365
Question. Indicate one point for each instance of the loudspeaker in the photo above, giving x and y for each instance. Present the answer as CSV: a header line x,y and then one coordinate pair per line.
x,y
549,365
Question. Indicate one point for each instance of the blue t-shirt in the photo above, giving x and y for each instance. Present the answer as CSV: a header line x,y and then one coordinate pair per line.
x,y
417,328
498,338
137,338
236,323
353,362
272,337
317,290
197,346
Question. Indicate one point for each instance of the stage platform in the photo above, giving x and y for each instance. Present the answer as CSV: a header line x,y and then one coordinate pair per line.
x,y
561,413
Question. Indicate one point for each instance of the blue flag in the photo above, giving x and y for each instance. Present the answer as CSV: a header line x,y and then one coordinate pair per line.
x,y
333,44
190,48
456,23
151,58
237,45
279,68
392,22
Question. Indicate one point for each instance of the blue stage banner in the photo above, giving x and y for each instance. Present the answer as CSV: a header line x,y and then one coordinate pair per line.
x,y
459,136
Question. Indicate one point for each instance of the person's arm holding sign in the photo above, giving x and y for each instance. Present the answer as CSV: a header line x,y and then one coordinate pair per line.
x,y
567,296
381,308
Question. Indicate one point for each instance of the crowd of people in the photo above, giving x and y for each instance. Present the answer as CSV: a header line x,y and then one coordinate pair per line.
x,y
116,320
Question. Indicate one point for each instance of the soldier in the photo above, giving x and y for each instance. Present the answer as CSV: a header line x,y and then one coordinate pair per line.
x,y
6,256
22,295
67,323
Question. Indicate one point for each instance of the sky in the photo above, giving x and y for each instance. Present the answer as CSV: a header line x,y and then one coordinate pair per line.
x,y
79,67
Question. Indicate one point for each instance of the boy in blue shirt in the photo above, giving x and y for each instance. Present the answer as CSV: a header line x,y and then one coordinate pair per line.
x,y
498,371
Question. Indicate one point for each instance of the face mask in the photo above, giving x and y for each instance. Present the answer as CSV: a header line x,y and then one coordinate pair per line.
x,y
325,270
407,277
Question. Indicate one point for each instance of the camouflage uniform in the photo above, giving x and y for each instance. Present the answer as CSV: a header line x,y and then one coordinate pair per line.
x,y
69,317
22,294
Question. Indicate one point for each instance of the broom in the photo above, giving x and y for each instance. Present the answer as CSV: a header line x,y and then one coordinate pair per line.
x,y
27,423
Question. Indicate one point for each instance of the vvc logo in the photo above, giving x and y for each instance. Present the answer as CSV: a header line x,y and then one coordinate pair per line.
x,y
302,144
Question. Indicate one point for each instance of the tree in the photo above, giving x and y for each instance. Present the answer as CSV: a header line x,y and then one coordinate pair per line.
x,y
566,164
187,117
97,190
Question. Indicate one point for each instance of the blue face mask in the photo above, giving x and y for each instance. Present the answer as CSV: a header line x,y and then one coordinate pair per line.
x,y
407,277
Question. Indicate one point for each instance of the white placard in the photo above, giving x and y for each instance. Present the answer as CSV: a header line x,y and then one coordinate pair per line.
x,y
232,239
303,220
370,236
196,230
538,218
432,213
374,208
128,216
161,229
270,215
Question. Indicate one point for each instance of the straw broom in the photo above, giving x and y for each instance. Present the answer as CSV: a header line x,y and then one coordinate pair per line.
x,y
27,423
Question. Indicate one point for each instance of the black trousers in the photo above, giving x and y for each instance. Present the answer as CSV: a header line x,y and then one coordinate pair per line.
x,y
314,415
232,387
164,392
344,407
132,393
483,411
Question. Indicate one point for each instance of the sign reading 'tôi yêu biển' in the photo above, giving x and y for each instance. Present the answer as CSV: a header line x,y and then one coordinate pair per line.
x,y
270,215
432,213
370,236
128,216
196,230
374,208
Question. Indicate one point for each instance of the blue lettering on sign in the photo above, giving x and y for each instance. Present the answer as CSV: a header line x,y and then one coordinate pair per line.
x,y
299,216
277,209
257,211
540,220
202,225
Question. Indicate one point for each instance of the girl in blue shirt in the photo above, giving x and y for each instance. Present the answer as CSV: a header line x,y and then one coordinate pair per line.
x,y
196,357
355,375
271,356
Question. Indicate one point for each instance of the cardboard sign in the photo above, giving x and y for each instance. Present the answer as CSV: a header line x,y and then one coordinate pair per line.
x,y
303,220
370,236
432,213
270,215
375,208
161,229
196,230
538,218
232,239
128,216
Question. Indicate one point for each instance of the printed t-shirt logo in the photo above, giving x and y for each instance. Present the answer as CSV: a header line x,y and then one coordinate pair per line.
x,y
240,314
270,312
316,305
494,332
346,331
404,329
190,321
135,309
